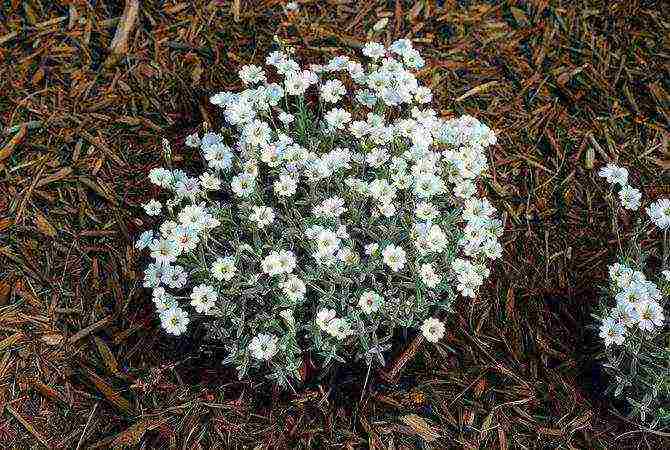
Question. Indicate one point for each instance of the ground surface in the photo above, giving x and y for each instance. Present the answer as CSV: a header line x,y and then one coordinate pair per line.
x,y
568,85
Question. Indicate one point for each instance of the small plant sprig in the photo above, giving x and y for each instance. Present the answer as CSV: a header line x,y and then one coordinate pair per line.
x,y
335,207
636,340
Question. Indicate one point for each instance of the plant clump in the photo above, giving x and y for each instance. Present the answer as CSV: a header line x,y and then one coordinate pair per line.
x,y
335,206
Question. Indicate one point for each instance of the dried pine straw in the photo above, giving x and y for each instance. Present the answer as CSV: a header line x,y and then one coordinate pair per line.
x,y
89,88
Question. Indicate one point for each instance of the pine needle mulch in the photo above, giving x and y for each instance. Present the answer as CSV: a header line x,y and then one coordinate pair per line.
x,y
89,87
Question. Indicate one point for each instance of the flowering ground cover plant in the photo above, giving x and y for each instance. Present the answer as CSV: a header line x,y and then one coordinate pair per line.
x,y
335,206
632,326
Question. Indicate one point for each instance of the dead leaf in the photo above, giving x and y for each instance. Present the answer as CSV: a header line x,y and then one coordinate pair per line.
x,y
113,397
44,226
131,436
421,427
8,149
126,24
108,357
52,338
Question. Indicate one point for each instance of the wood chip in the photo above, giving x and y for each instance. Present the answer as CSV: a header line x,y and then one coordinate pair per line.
x,y
90,329
27,425
119,45
8,149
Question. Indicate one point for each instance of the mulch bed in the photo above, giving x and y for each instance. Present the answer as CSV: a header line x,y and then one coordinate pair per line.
x,y
88,89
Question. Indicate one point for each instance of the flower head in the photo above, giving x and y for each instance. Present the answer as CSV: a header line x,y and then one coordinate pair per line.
x,y
263,346
432,329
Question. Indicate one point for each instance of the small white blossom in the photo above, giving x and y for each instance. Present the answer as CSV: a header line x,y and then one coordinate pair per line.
x,y
144,240
203,298
224,268
153,207
614,174
394,257
612,332
263,346
369,302
630,197
432,329
251,74
174,320
659,213
262,216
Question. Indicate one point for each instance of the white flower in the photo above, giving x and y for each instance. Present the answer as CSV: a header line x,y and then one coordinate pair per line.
x,y
262,215
659,212
164,251
219,157
337,118
153,207
413,59
285,186
327,242
162,300
287,315
630,197
332,91
369,302
257,133
251,74
210,182
186,238
428,276
294,288
285,117
203,298
387,209
224,268
192,216
339,328
371,249
323,318
633,295
625,314
174,276
331,208
401,46
394,257
174,320
271,265
242,185
161,177
465,189
423,95
666,274
612,332
432,329
222,99
374,50
263,346
295,84
651,315
426,211
277,263
153,274
287,261
192,140
275,58
144,240
377,157
614,174
188,187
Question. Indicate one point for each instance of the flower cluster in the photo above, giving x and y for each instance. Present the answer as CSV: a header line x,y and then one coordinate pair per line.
x,y
633,329
629,197
637,307
336,206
